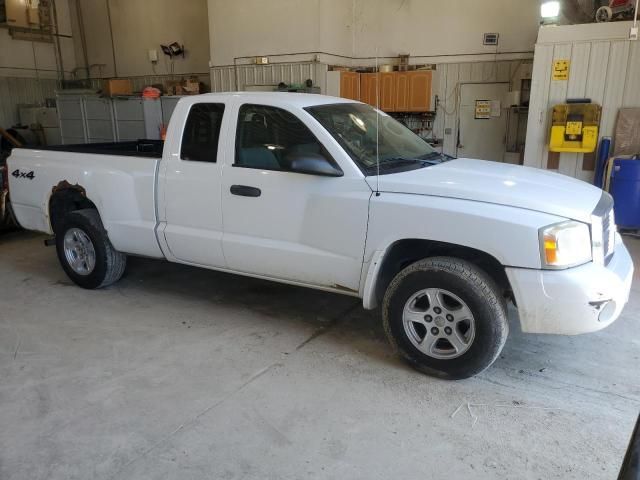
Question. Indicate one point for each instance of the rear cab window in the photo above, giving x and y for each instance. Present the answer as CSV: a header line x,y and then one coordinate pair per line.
x,y
202,132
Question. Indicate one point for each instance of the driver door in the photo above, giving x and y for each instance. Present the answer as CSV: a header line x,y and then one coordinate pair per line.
x,y
291,226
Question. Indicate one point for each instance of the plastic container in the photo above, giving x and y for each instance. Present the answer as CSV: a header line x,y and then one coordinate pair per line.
x,y
625,188
601,164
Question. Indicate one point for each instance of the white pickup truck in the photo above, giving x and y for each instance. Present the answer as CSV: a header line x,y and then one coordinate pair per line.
x,y
330,194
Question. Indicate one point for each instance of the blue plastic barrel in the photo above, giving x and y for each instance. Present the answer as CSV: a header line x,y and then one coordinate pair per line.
x,y
625,188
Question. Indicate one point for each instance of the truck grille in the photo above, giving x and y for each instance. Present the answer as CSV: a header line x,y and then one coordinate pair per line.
x,y
603,230
608,235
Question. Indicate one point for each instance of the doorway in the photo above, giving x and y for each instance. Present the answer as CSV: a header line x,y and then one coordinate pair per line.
x,y
483,121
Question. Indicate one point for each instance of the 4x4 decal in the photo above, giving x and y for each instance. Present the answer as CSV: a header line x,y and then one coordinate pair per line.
x,y
18,174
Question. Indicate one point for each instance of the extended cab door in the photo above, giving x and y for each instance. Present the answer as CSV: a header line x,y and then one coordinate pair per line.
x,y
282,224
190,207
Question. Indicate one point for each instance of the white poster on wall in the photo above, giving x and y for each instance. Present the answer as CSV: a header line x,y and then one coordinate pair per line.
x,y
483,110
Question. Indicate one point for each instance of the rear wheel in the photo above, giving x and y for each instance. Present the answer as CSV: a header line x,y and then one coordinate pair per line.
x,y
85,252
446,317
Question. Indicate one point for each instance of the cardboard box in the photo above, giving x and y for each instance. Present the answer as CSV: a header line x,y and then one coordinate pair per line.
x,y
191,87
117,86
173,87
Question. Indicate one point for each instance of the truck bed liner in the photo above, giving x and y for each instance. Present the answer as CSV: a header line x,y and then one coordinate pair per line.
x,y
137,148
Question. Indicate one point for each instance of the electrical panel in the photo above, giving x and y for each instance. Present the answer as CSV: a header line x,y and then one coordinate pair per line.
x,y
491,39
28,14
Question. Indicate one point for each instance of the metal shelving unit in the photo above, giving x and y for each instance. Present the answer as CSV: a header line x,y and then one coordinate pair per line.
x,y
89,118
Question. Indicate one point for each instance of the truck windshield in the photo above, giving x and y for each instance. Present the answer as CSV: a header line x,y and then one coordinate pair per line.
x,y
360,131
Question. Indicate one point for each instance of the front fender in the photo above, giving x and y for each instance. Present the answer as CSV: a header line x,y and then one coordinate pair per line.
x,y
508,234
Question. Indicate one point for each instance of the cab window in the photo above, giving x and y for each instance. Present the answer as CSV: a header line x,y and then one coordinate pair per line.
x,y
269,137
202,132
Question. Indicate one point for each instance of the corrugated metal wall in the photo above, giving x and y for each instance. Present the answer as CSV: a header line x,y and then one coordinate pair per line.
x,y
223,79
446,86
139,83
447,80
18,91
605,70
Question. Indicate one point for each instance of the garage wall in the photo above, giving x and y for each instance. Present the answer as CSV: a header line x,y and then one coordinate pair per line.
x,y
258,27
364,28
119,34
16,91
605,66
21,58
447,79
450,76
229,78
29,70
435,27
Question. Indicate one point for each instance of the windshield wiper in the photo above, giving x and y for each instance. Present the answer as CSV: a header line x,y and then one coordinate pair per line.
x,y
431,155
400,160
430,159
393,162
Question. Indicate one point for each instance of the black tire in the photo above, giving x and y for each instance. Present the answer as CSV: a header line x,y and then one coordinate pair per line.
x,y
109,263
470,284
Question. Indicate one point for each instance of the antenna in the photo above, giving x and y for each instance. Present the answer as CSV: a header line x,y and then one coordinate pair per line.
x,y
377,126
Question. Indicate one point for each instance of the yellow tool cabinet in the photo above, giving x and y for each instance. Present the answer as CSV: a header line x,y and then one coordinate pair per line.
x,y
575,127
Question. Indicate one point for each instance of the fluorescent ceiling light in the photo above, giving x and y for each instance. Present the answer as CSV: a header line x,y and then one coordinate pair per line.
x,y
550,9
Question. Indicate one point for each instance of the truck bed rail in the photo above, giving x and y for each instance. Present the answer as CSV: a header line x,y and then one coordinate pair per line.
x,y
136,148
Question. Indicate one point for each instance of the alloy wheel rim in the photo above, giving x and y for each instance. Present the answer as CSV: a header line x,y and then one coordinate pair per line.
x,y
79,251
439,323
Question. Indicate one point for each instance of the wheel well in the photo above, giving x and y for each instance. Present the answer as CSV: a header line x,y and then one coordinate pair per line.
x,y
66,198
405,252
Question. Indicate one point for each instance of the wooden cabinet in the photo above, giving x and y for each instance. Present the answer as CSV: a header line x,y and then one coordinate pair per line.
x,y
401,84
369,88
419,91
350,85
397,91
388,92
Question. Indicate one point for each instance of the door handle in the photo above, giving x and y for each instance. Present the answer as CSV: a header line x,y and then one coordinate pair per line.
x,y
245,191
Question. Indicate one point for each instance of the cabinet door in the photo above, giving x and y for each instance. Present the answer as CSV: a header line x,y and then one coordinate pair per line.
x,y
419,91
365,87
401,87
369,89
350,85
387,92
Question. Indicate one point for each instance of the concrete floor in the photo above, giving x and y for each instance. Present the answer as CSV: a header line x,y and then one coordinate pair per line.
x,y
182,373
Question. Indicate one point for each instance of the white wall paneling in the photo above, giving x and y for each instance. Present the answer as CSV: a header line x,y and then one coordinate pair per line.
x,y
605,67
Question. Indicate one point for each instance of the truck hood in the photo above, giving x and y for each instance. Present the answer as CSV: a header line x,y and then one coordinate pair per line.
x,y
498,183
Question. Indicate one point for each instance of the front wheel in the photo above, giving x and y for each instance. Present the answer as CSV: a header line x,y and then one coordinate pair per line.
x,y
446,317
85,252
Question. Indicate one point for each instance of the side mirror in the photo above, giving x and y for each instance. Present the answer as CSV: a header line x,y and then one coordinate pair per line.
x,y
313,164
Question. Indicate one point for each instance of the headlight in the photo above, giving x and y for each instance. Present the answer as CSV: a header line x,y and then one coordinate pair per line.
x,y
565,244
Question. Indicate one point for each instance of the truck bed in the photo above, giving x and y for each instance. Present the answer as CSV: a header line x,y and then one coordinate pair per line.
x,y
118,178
137,148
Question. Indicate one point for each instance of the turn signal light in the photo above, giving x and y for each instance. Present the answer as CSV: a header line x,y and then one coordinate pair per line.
x,y
550,250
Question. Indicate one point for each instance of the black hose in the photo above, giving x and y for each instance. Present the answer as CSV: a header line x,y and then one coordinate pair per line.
x,y
631,464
